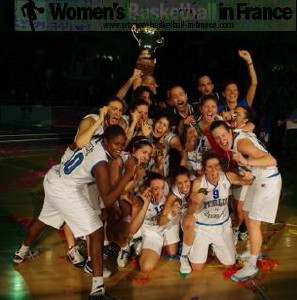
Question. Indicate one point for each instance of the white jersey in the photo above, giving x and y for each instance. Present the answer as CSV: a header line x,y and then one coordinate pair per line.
x,y
152,214
77,170
215,205
258,172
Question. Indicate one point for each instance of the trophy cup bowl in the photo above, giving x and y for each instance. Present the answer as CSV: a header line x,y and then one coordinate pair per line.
x,y
148,39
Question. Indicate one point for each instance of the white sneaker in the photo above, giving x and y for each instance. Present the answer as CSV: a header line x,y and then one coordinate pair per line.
x,y
20,256
245,273
123,257
75,257
185,267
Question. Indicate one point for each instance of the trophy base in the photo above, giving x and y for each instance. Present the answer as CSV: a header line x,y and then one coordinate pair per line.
x,y
147,66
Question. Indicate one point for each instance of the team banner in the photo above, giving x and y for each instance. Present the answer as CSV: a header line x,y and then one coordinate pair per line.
x,y
167,15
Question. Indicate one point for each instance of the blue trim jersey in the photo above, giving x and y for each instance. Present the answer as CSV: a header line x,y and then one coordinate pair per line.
x,y
215,209
258,172
78,169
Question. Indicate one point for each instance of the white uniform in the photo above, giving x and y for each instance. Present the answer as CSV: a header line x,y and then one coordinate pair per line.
x,y
262,197
213,225
239,191
153,235
65,197
91,190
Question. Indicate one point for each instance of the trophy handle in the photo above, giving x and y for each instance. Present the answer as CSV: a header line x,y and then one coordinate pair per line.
x,y
134,31
160,41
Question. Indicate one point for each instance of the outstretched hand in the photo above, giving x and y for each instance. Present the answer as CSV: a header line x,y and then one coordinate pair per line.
x,y
244,54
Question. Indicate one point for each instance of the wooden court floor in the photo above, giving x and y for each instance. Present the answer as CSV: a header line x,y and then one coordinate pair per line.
x,y
51,276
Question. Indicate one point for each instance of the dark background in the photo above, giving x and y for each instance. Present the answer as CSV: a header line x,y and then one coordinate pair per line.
x,y
72,68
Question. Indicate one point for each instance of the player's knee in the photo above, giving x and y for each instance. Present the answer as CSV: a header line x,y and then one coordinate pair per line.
x,y
147,267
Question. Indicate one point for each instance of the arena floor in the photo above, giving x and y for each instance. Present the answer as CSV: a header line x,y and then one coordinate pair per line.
x,y
51,276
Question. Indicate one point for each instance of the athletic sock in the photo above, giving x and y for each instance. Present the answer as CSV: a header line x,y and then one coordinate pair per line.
x,y
253,260
97,282
186,249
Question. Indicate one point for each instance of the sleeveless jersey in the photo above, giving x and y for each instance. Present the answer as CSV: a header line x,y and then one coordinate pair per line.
x,y
215,205
258,172
77,170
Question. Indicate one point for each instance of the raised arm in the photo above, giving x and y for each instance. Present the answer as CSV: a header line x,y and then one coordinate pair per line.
x,y
122,92
88,127
245,55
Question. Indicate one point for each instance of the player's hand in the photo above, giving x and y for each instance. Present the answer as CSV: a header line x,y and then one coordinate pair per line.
x,y
146,195
135,116
246,175
146,127
103,112
136,74
244,54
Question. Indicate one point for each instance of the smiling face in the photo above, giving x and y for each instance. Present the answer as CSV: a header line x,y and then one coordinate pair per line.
x,y
212,170
143,154
231,93
115,145
161,127
150,82
209,111
205,85
183,184
115,110
179,98
158,189
223,137
239,118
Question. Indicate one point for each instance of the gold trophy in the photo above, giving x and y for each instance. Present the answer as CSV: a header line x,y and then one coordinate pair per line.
x,y
148,39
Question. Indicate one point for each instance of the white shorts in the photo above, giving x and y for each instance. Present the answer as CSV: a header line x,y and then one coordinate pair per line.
x,y
155,240
64,203
221,239
94,197
239,192
262,199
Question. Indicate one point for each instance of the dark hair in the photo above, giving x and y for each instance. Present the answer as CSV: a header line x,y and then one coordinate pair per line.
x,y
137,142
153,176
206,98
112,99
113,131
219,123
231,81
166,116
137,103
209,155
137,92
180,170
